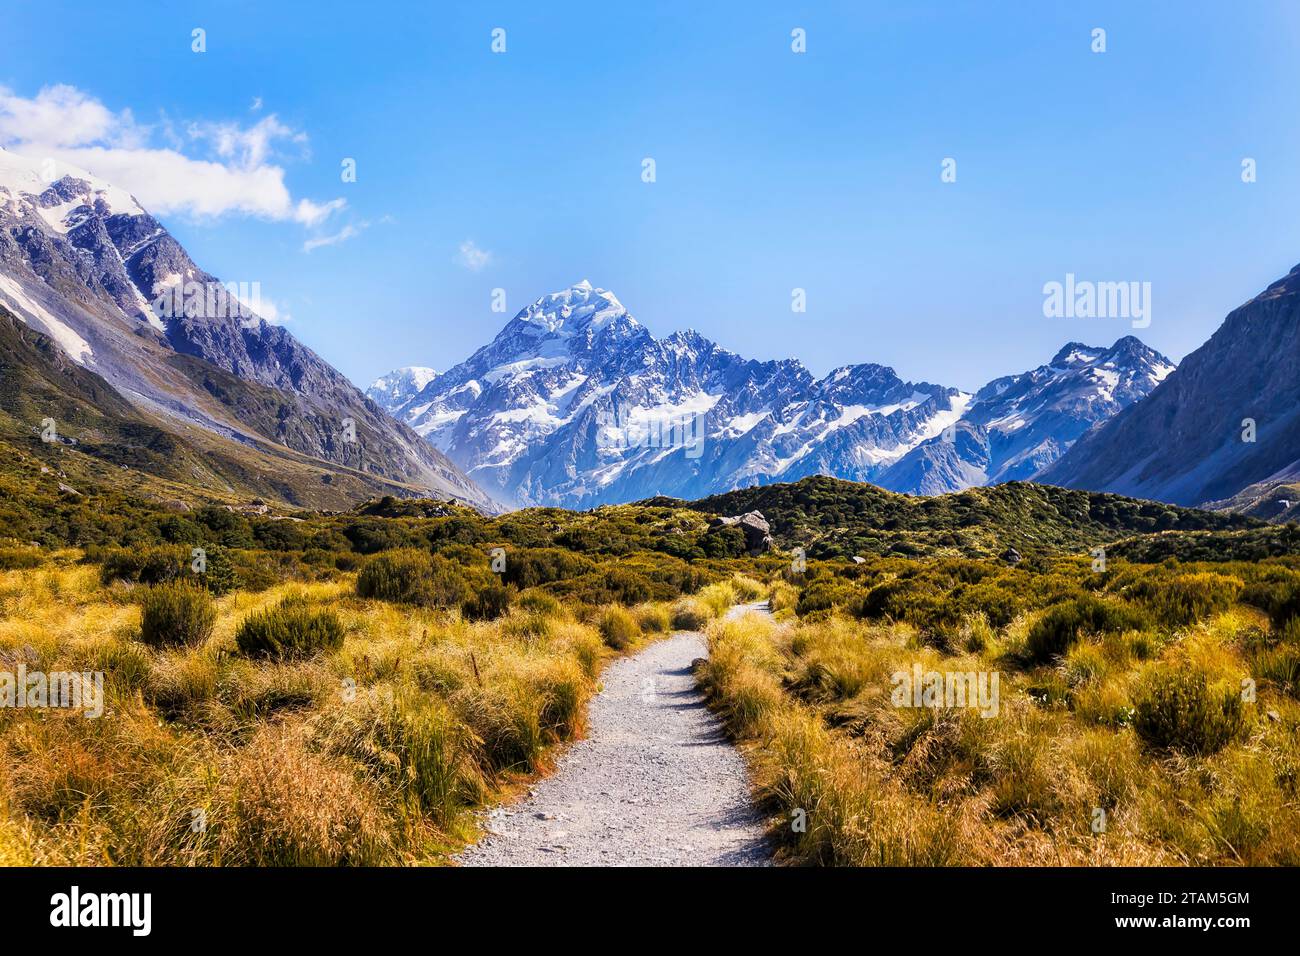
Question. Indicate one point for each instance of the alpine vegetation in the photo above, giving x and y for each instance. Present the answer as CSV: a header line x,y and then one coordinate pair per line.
x,y
918,687
69,690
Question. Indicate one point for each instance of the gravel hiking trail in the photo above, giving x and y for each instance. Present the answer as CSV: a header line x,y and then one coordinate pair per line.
x,y
654,783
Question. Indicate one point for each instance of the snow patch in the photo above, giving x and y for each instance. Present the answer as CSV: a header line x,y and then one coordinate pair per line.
x,y
16,299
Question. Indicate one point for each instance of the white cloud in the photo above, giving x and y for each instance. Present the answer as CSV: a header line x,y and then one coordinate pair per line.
x,y
472,257
256,104
234,173
313,214
58,116
343,235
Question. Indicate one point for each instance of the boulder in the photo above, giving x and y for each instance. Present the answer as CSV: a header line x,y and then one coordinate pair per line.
x,y
758,537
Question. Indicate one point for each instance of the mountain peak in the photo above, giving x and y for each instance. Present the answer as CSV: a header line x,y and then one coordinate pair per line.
x,y
400,385
83,263
59,191
580,306
1076,353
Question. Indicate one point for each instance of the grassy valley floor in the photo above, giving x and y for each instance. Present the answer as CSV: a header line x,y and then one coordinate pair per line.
x,y
302,688
1115,740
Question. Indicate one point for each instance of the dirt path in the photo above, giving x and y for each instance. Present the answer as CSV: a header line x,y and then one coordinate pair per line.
x,y
654,783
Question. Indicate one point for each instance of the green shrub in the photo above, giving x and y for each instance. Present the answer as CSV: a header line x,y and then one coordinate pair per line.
x,y
1278,593
1178,710
825,593
610,585
396,576
413,577
529,567
1187,598
618,627
288,630
13,559
1064,624
219,575
488,603
147,566
176,614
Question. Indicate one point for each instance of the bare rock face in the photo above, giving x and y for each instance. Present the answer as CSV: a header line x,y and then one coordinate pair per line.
x,y
758,537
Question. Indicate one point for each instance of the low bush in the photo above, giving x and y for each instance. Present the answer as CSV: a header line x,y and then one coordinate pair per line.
x,y
289,630
1064,624
1278,593
176,615
1178,710
1187,598
529,567
488,603
144,566
823,594
618,628
218,575
413,577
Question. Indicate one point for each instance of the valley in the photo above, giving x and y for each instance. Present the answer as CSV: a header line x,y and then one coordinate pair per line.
x,y
365,686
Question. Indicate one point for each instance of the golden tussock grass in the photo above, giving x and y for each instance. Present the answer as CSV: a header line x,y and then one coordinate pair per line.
x,y
1058,777
374,753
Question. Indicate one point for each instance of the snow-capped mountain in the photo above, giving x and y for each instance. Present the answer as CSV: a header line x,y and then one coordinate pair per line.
x,y
399,386
82,262
576,404
1016,426
1223,430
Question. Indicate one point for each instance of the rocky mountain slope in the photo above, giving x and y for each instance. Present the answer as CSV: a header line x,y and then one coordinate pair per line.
x,y
83,263
1223,428
576,404
1016,426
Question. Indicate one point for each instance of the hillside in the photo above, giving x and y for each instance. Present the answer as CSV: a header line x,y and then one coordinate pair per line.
x,y
101,440
86,265
833,518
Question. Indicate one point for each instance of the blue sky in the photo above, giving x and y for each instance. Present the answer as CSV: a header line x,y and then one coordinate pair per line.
x,y
774,170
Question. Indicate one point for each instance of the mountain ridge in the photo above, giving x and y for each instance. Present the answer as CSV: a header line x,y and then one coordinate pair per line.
x,y
1225,424
569,404
82,262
